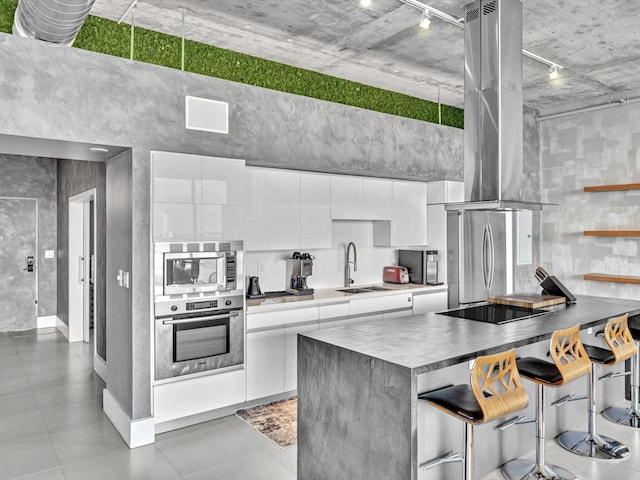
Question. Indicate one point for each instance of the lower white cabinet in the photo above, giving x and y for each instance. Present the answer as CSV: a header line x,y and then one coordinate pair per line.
x,y
265,363
380,304
430,302
190,396
291,353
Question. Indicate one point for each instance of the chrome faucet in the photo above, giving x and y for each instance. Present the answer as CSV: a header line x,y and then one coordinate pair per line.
x,y
347,268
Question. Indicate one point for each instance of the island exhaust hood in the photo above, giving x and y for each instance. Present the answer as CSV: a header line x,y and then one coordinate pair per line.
x,y
493,154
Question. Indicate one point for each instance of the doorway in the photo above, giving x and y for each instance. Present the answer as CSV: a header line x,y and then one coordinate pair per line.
x,y
18,262
82,266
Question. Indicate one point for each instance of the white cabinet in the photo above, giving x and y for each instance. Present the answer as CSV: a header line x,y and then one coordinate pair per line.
x,y
359,198
429,302
362,306
291,353
197,197
445,192
346,197
265,363
185,397
272,210
377,198
408,225
315,211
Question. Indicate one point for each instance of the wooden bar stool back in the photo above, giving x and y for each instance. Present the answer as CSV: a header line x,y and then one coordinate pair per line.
x,y
590,444
495,390
628,416
570,361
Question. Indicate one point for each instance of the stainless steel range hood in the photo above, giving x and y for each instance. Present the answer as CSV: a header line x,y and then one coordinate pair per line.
x,y
493,158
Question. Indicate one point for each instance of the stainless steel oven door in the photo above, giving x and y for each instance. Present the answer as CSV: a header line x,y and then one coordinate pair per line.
x,y
191,343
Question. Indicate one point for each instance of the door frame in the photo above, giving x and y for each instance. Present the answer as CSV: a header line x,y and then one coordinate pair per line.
x,y
79,266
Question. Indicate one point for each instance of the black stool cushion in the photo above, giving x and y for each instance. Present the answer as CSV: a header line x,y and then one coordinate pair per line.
x,y
603,356
539,370
635,333
457,399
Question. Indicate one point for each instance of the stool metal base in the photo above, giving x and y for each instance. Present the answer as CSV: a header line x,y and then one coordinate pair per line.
x,y
623,416
594,446
525,470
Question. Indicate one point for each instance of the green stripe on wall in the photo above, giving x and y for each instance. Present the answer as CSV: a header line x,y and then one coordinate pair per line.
x,y
106,36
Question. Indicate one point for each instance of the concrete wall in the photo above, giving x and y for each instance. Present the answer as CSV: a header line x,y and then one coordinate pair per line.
x,y
76,177
36,178
50,91
591,148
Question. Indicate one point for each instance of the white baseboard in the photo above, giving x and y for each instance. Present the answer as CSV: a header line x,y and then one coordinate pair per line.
x,y
47,321
135,432
100,367
62,327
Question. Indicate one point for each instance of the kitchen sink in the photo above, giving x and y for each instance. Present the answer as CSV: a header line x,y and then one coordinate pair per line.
x,y
363,289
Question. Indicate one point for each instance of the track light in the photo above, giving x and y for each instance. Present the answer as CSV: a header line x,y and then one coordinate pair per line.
x,y
553,72
425,20
365,3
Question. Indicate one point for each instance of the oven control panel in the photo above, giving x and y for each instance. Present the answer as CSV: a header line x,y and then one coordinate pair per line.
x,y
176,307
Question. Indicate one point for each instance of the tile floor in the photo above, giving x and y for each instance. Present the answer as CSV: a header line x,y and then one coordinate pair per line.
x,y
52,428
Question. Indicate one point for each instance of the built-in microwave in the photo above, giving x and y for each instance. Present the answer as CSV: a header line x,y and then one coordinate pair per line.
x,y
197,268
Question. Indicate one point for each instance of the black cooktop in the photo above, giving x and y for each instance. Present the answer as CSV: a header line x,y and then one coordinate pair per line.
x,y
494,313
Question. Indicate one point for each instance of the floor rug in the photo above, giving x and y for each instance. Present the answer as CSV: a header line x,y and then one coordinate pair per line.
x,y
276,420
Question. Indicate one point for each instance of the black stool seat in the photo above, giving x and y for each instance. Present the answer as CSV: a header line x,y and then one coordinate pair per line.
x,y
635,333
603,356
458,400
539,371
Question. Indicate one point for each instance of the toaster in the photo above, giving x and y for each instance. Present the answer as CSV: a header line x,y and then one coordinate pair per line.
x,y
395,274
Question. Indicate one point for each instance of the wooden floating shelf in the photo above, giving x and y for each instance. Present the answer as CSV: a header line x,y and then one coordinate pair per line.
x,y
601,277
609,188
612,233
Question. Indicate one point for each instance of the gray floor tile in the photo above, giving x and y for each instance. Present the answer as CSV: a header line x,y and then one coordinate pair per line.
x,y
53,474
27,457
203,448
24,403
19,427
68,395
10,388
62,418
86,443
256,466
143,463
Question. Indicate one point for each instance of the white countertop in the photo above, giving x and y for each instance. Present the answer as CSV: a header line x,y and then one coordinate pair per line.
x,y
332,295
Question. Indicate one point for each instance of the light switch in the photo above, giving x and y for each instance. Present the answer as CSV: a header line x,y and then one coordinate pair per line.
x,y
49,254
125,279
119,278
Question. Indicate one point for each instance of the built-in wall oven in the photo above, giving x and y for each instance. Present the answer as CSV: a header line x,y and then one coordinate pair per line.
x,y
193,336
199,307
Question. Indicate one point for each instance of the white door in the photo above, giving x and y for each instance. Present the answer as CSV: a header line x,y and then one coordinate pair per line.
x,y
82,241
18,282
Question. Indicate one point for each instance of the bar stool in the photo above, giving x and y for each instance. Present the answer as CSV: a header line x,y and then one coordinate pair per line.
x,y
629,416
590,444
570,361
495,391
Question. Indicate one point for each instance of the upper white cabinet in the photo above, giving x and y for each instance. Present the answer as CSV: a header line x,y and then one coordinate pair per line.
x,y
315,210
359,198
197,197
346,197
445,192
272,210
408,225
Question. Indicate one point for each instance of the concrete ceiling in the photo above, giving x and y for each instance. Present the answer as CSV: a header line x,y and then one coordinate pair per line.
x,y
382,45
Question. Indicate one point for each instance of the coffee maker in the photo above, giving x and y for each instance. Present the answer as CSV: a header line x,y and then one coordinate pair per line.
x,y
299,267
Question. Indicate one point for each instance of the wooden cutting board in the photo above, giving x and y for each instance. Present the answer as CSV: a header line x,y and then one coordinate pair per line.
x,y
527,300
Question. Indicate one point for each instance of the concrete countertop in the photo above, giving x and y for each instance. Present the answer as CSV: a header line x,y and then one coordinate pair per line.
x,y
429,342
332,295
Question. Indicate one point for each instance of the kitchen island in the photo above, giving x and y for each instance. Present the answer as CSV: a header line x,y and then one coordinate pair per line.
x,y
358,385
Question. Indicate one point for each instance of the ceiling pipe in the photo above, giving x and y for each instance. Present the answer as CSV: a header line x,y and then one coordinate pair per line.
x,y
618,103
55,21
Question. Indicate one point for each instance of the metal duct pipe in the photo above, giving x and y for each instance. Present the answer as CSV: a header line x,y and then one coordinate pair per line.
x,y
56,21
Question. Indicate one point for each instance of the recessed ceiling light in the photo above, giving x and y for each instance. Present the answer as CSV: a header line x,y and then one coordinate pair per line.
x,y
365,3
425,20
553,72
98,150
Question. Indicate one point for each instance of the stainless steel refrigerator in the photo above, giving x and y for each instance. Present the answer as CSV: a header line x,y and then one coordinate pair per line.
x,y
479,255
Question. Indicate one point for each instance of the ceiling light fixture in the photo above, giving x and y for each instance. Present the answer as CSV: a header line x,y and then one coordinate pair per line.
x,y
365,3
98,150
425,20
553,72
